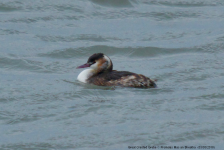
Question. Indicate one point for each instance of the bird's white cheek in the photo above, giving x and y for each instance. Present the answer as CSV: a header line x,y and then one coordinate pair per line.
x,y
94,66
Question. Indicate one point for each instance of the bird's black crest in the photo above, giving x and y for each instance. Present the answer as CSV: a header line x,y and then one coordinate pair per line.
x,y
95,57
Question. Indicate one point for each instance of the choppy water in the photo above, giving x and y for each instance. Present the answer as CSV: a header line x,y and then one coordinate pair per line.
x,y
43,106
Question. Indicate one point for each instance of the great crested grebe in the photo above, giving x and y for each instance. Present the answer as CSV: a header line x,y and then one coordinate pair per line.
x,y
101,73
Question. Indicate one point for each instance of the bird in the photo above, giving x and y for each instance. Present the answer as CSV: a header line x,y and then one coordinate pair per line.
x,y
100,72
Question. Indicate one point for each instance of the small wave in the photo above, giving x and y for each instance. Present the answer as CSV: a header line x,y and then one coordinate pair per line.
x,y
171,15
201,132
82,37
8,8
186,3
31,20
135,52
63,54
114,3
84,52
10,32
21,64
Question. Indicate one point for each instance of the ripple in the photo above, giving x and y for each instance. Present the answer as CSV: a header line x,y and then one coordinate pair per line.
x,y
114,3
211,96
38,145
139,52
187,3
8,7
212,107
19,63
171,15
29,65
196,135
89,37
31,20
10,32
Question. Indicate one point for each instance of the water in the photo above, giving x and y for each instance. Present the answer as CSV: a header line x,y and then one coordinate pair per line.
x,y
179,43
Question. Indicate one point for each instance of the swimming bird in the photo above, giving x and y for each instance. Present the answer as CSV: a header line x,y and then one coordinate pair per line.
x,y
101,73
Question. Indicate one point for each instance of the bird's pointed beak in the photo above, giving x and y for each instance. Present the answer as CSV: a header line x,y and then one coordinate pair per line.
x,y
83,66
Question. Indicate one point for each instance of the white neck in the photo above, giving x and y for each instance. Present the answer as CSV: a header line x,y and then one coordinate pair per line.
x,y
85,74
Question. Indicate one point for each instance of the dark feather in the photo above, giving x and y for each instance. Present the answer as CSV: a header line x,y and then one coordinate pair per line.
x,y
94,57
121,78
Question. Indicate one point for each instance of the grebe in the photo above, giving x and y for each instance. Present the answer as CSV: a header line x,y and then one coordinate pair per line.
x,y
101,73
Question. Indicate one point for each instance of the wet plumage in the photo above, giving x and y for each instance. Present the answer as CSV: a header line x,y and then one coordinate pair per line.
x,y
101,74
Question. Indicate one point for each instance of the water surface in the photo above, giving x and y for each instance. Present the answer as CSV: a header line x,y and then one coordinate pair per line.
x,y
179,43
